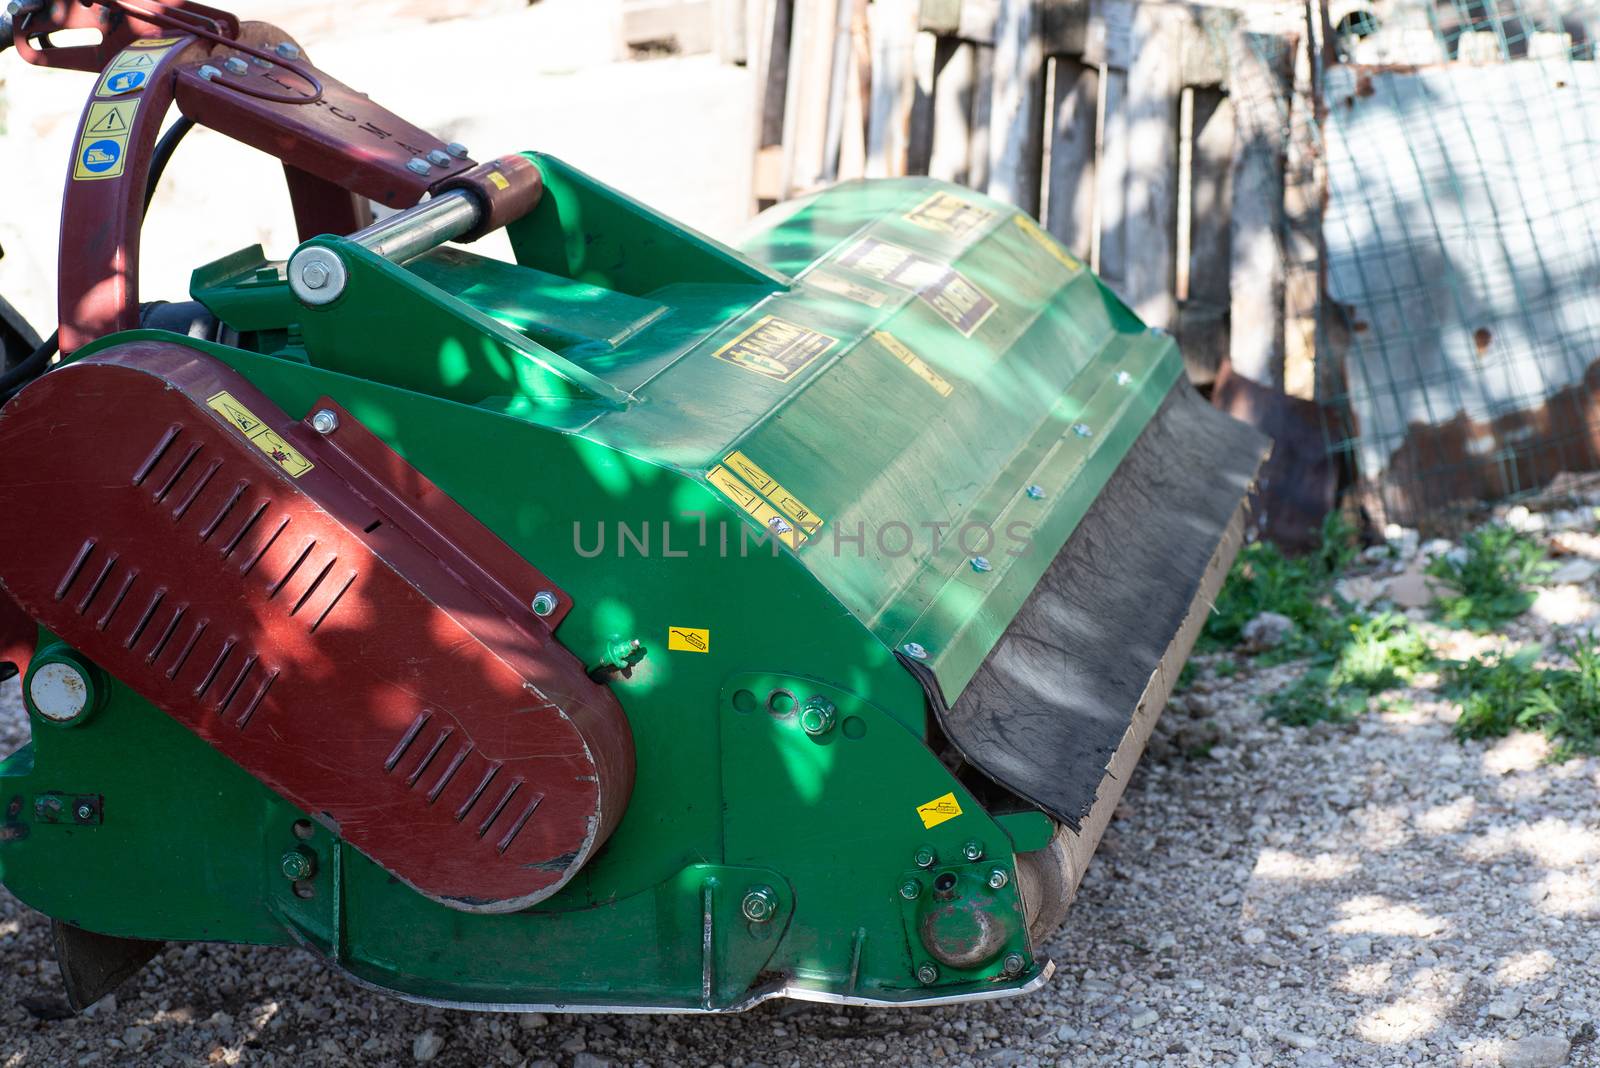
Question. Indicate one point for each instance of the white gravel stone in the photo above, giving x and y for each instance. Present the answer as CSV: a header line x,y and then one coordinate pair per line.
x,y
1536,1051
425,1047
1253,936
1505,1008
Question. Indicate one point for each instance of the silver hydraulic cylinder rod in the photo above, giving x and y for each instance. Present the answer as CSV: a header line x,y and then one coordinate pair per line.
x,y
407,234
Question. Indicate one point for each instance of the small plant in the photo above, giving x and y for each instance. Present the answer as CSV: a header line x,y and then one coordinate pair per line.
x,y
1373,654
1263,579
1502,692
1488,584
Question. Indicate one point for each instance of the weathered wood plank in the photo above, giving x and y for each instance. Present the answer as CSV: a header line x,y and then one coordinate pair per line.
x,y
805,116
894,32
1203,317
1304,184
1015,122
952,109
1070,186
1260,84
1152,186
982,100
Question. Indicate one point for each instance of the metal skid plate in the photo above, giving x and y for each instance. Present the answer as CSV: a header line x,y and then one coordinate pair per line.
x,y
311,606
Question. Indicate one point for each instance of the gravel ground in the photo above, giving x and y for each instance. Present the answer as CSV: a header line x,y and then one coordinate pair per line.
x,y
1372,893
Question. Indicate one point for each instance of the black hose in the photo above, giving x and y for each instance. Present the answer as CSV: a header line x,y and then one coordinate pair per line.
x,y
35,363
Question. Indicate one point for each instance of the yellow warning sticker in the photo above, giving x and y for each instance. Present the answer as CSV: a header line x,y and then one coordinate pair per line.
x,y
939,810
103,147
757,507
898,350
776,348
769,487
689,639
498,180
154,42
244,420
1050,244
130,71
840,286
943,288
946,213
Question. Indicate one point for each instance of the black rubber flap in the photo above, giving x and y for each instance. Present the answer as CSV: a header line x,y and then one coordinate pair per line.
x,y
1048,708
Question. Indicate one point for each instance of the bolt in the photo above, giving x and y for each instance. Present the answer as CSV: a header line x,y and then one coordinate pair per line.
x,y
1014,964
973,850
456,149
314,275
980,564
325,421
760,904
1083,430
911,889
85,813
439,158
924,857
915,651
544,602
1035,493
297,864
927,974
288,50
817,716
997,879
418,165
236,65
1124,378
210,73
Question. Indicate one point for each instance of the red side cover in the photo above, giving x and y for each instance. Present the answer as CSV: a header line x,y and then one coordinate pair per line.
x,y
317,610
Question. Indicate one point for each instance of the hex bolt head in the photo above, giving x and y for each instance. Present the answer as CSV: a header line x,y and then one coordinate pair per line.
x,y
236,65
981,564
288,50
439,158
1013,964
760,904
911,889
1035,493
418,165
1083,430
998,879
317,275
84,812
1124,378
973,850
544,602
927,974
297,865
210,73
325,421
924,857
817,716
456,149
915,651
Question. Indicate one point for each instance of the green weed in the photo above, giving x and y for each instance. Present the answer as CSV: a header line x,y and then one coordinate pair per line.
x,y
1373,654
1501,692
1263,579
1489,586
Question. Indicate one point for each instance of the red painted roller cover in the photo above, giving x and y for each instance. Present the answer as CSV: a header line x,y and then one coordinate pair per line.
x,y
314,608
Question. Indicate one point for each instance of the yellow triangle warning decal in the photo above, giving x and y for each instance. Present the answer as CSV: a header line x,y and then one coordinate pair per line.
x,y
111,122
136,60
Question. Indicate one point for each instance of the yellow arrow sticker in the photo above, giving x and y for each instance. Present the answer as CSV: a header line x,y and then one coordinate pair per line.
x,y
939,810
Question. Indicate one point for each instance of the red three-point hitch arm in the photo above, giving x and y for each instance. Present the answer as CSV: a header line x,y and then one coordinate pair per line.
x,y
252,82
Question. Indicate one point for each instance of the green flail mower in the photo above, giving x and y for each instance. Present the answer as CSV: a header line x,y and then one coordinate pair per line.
x,y
642,623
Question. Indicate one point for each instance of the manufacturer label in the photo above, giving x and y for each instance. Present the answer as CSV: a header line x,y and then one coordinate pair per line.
x,y
154,42
840,286
898,350
689,639
757,507
1048,243
498,180
103,147
758,479
939,810
946,213
943,288
260,435
776,348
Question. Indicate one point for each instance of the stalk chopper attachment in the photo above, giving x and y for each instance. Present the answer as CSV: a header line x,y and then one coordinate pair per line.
x,y
640,623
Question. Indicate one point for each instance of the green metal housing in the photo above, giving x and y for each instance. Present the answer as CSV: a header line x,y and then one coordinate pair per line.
x,y
863,436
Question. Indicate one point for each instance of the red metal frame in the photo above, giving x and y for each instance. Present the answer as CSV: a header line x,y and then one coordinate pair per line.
x,y
338,147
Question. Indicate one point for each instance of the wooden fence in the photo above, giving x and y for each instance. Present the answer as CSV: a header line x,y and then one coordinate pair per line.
x,y
1168,144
